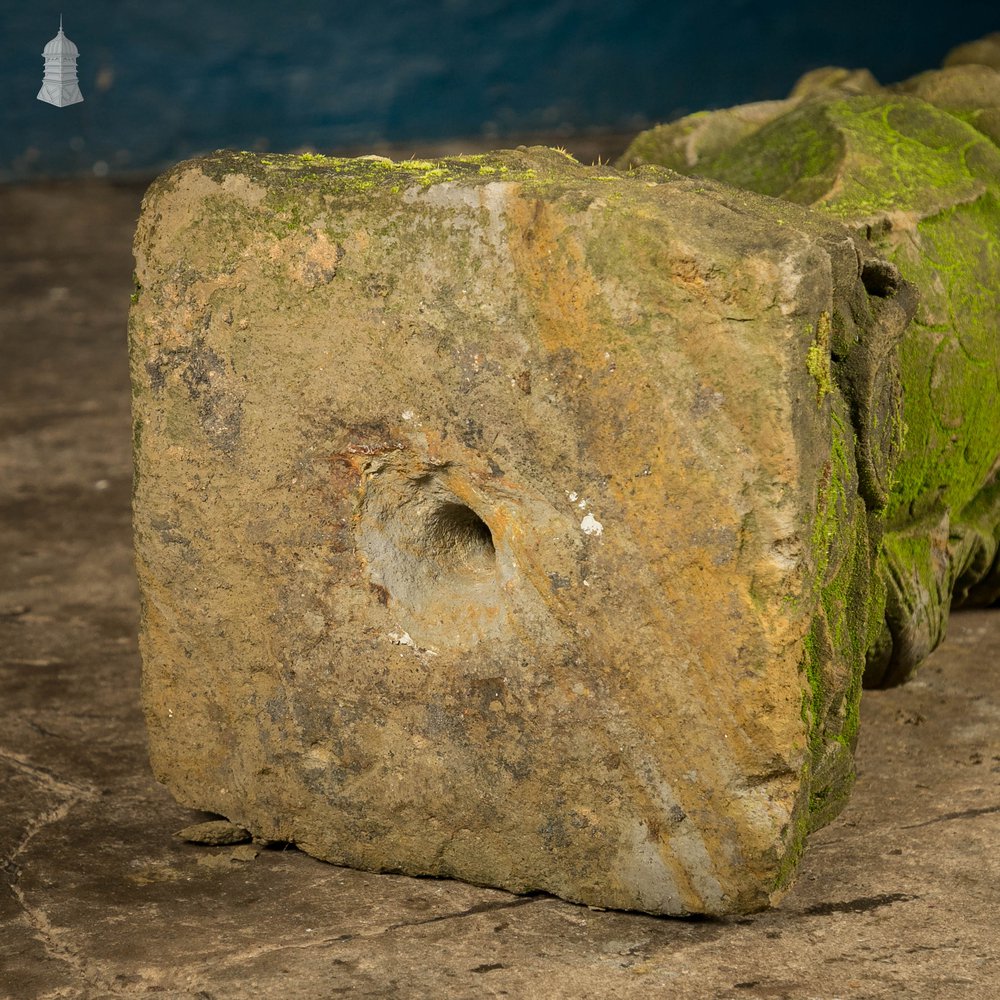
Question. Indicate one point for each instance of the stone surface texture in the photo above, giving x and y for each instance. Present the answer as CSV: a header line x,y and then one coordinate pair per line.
x,y
980,52
504,518
916,168
895,898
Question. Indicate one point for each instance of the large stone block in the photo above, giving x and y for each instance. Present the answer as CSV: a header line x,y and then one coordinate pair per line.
x,y
508,519
916,168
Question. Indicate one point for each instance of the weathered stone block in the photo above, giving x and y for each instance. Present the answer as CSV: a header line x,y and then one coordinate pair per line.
x,y
508,519
921,178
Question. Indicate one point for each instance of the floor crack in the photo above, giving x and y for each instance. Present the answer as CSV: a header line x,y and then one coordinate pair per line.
x,y
48,778
245,957
471,911
964,814
71,794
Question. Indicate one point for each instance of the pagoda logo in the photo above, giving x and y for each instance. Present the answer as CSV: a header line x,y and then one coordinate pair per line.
x,y
60,86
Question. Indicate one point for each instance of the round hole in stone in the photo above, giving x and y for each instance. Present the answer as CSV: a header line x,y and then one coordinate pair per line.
x,y
459,538
438,560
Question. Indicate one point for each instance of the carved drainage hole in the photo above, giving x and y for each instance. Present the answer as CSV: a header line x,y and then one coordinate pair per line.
x,y
459,538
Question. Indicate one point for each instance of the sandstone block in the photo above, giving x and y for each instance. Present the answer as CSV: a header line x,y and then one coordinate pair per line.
x,y
920,176
508,519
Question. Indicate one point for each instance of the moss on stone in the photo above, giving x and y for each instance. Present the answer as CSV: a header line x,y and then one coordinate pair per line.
x,y
345,176
904,155
834,650
818,358
951,362
795,158
923,184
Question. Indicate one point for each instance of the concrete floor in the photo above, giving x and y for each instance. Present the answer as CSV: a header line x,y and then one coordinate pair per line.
x,y
897,898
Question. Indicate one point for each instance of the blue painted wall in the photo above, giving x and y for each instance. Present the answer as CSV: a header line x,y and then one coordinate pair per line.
x,y
167,78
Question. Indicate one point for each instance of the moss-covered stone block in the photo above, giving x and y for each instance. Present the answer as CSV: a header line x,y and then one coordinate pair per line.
x,y
503,518
922,181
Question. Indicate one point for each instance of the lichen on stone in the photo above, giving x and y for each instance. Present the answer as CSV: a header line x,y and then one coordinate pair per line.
x,y
818,358
922,181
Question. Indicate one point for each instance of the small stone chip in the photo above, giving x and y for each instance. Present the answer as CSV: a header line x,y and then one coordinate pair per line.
x,y
216,832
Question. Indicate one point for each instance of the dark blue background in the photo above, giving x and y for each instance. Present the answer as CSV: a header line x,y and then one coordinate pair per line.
x,y
168,78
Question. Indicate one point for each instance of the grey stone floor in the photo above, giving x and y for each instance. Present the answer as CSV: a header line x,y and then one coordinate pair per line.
x,y
897,898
